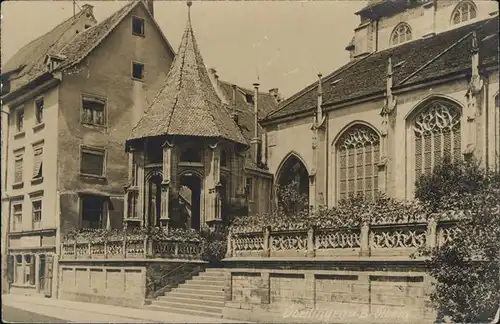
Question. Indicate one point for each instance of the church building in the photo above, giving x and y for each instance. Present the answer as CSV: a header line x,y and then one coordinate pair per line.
x,y
421,84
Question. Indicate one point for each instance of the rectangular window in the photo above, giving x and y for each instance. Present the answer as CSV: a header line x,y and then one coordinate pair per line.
x,y
17,221
93,110
37,213
20,119
92,162
19,275
92,212
18,169
29,269
137,71
39,111
138,26
37,161
249,188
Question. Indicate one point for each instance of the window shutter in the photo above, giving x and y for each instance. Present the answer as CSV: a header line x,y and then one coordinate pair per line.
x,y
37,166
32,270
18,171
10,268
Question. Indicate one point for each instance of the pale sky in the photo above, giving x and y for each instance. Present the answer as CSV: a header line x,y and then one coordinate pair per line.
x,y
284,43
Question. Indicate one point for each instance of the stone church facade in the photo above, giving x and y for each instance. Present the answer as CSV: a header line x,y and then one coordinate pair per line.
x,y
422,83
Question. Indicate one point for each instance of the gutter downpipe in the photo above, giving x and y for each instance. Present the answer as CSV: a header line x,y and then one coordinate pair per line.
x,y
5,197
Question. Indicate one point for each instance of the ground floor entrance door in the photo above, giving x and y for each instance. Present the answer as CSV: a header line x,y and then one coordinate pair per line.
x,y
47,272
193,183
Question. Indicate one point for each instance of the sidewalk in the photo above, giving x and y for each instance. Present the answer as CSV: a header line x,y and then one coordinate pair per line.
x,y
71,311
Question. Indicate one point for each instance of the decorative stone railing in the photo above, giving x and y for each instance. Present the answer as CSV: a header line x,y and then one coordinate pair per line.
x,y
131,248
380,239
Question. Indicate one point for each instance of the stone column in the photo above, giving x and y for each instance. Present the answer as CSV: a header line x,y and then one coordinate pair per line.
x,y
212,185
165,185
140,184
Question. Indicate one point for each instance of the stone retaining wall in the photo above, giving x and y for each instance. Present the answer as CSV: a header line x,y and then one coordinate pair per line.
x,y
330,292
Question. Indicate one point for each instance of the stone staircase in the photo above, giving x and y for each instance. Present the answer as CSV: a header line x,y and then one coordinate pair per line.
x,y
203,295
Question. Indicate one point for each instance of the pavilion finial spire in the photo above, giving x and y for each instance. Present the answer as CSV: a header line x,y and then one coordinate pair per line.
x,y
189,4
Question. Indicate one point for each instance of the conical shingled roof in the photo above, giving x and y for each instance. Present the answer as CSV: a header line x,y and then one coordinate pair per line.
x,y
188,105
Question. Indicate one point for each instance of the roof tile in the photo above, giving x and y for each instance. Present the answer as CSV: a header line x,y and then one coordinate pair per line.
x,y
418,61
187,104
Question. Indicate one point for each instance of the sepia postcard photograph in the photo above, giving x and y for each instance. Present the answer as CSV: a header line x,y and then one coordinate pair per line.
x,y
204,161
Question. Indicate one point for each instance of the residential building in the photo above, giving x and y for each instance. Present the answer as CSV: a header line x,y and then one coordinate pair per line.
x,y
74,94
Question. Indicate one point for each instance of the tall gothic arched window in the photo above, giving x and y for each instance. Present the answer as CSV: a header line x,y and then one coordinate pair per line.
x,y
463,12
358,151
401,34
436,131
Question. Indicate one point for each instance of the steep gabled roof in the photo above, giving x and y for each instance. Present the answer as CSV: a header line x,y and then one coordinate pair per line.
x,y
414,62
29,60
83,44
187,104
245,111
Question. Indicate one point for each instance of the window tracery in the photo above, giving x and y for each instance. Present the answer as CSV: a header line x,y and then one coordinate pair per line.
x,y
436,135
401,34
463,12
358,151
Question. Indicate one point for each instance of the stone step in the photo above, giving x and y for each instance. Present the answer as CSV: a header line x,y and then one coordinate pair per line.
x,y
192,289
205,276
194,300
217,297
175,310
201,287
201,282
215,271
183,306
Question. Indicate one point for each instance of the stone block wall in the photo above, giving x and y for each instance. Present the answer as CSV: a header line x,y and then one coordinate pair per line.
x,y
120,285
328,292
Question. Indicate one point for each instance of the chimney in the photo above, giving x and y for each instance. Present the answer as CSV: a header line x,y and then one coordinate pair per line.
x,y
276,94
234,114
256,141
150,6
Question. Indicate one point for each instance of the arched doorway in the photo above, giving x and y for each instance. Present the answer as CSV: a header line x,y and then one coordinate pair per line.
x,y
190,198
292,184
154,198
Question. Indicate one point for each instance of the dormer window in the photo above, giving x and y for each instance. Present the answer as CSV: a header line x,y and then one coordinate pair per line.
x,y
249,98
463,12
401,34
137,26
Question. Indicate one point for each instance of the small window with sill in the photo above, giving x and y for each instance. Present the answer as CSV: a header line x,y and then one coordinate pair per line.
x,y
93,211
39,105
17,221
137,71
92,162
93,110
137,26
464,11
37,162
37,213
20,120
18,168
249,188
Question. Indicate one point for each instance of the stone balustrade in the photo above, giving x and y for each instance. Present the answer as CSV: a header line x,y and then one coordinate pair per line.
x,y
378,239
131,248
